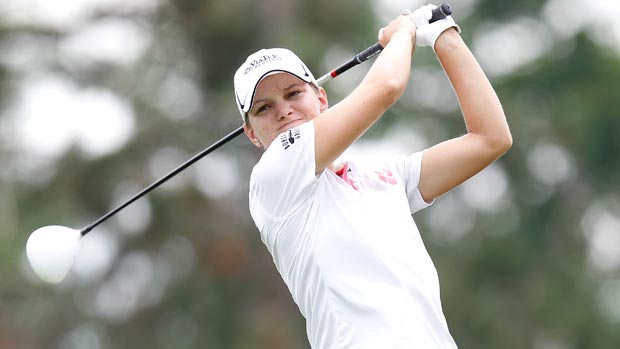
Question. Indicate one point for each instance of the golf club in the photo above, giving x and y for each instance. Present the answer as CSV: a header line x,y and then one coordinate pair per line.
x,y
52,249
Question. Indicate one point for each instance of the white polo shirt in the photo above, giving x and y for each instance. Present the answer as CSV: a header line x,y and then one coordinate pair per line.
x,y
347,246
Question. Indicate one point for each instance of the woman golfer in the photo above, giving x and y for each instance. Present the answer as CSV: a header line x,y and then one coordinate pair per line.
x,y
341,233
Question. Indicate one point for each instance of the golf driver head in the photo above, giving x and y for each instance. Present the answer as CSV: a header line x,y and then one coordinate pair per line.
x,y
51,251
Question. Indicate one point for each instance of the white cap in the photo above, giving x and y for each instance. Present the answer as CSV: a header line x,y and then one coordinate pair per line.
x,y
259,65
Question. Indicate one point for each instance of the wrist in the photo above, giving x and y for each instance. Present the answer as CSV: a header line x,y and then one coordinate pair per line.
x,y
406,34
447,39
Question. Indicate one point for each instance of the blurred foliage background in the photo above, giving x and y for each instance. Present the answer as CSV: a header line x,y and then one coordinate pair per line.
x,y
99,98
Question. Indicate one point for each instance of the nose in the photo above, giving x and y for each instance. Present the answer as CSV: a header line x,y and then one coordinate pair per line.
x,y
284,111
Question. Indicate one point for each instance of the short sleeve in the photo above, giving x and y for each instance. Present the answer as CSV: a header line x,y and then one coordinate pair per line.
x,y
410,168
284,177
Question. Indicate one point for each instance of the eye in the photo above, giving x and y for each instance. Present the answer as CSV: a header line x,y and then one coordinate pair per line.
x,y
294,93
263,108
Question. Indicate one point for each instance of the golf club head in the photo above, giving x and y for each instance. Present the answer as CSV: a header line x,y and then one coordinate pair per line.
x,y
51,251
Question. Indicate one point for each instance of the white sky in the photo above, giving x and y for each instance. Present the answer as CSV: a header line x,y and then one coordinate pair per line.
x,y
52,114
118,41
505,47
62,14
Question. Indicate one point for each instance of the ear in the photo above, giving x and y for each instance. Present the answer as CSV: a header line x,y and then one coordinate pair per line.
x,y
323,99
249,132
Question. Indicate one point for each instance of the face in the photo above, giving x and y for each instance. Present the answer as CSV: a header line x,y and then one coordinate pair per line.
x,y
282,101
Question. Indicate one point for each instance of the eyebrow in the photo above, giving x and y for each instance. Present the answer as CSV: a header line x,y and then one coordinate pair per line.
x,y
286,88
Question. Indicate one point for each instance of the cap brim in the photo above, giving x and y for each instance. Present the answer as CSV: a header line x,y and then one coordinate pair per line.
x,y
247,105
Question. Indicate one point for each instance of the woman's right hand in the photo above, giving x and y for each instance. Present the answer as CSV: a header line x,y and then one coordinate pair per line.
x,y
401,24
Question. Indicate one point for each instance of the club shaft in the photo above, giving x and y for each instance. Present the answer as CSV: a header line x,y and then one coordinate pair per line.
x,y
165,178
440,12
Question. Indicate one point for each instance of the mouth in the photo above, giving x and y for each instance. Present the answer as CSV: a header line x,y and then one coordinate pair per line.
x,y
290,125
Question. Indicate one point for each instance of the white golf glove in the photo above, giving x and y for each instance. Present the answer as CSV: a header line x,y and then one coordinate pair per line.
x,y
427,33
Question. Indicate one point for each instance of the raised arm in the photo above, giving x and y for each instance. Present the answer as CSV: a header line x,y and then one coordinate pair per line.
x,y
339,126
452,162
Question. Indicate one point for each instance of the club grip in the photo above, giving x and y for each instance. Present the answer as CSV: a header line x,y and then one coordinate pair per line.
x,y
442,11
369,53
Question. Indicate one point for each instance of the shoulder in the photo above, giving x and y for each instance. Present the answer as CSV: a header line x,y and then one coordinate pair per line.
x,y
290,157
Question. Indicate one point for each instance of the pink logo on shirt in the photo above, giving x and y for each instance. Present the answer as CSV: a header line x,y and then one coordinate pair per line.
x,y
366,181
386,176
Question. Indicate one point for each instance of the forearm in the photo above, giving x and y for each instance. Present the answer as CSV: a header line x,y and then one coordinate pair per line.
x,y
450,163
382,86
337,128
390,71
481,108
